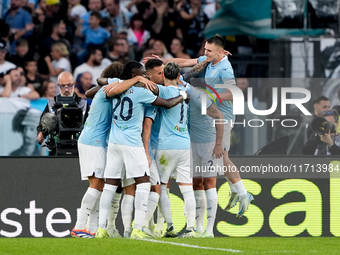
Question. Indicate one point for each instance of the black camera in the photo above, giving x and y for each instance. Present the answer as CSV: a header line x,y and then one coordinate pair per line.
x,y
321,126
63,127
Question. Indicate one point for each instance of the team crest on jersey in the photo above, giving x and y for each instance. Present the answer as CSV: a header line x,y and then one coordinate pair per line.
x,y
129,92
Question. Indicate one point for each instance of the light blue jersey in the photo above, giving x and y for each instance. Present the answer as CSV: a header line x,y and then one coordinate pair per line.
x,y
153,112
173,134
201,126
98,123
128,114
217,74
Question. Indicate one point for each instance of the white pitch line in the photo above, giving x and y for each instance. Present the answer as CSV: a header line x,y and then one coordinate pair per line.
x,y
190,245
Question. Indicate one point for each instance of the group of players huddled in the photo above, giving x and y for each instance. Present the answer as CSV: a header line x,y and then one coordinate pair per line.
x,y
155,134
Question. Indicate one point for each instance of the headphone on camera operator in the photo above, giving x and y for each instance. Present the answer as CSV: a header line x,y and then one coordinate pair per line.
x,y
325,140
63,118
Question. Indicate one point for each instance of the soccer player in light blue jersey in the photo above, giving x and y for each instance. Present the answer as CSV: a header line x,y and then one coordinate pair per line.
x,y
219,71
206,155
126,151
92,144
173,151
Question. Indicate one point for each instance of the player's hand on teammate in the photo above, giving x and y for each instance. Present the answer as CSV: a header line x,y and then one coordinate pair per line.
x,y
218,151
153,57
110,86
148,84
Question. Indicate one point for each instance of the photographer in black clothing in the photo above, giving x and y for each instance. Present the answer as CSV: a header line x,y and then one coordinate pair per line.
x,y
69,115
325,140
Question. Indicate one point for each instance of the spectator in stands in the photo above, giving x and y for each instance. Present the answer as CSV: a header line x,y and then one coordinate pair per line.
x,y
22,79
94,6
21,53
320,104
164,22
84,84
34,81
178,48
4,65
12,87
137,35
93,34
60,63
119,50
119,15
193,21
95,64
49,90
44,49
75,11
159,49
25,122
20,22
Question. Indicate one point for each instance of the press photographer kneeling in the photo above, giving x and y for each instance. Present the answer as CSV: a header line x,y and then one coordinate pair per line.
x,y
63,119
325,140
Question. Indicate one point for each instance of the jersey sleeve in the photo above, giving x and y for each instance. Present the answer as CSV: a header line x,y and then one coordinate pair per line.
x,y
110,80
201,59
151,112
146,96
196,98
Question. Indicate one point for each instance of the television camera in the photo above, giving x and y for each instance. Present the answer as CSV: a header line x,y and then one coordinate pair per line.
x,y
63,127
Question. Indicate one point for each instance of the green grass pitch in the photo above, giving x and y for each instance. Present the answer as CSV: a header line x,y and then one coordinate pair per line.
x,y
197,246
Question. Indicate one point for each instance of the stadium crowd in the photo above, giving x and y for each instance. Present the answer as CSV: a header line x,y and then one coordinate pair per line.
x,y
43,38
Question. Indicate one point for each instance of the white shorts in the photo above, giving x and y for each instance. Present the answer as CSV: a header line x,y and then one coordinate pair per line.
x,y
132,158
226,136
202,163
92,160
174,160
154,177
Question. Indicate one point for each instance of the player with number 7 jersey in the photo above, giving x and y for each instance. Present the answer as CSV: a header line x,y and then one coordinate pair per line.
x,y
126,150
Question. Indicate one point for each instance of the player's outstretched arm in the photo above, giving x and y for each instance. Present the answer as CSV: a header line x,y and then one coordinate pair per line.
x,y
215,113
92,91
124,85
183,62
171,102
195,71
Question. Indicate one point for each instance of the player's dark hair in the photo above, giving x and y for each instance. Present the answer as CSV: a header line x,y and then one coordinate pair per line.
x,y
217,40
113,71
171,70
152,63
319,99
128,68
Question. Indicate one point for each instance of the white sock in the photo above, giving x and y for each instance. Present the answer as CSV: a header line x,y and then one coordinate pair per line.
x,y
164,203
141,201
151,207
241,190
189,205
111,222
231,185
160,219
211,208
87,203
105,202
152,221
92,223
127,210
201,206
